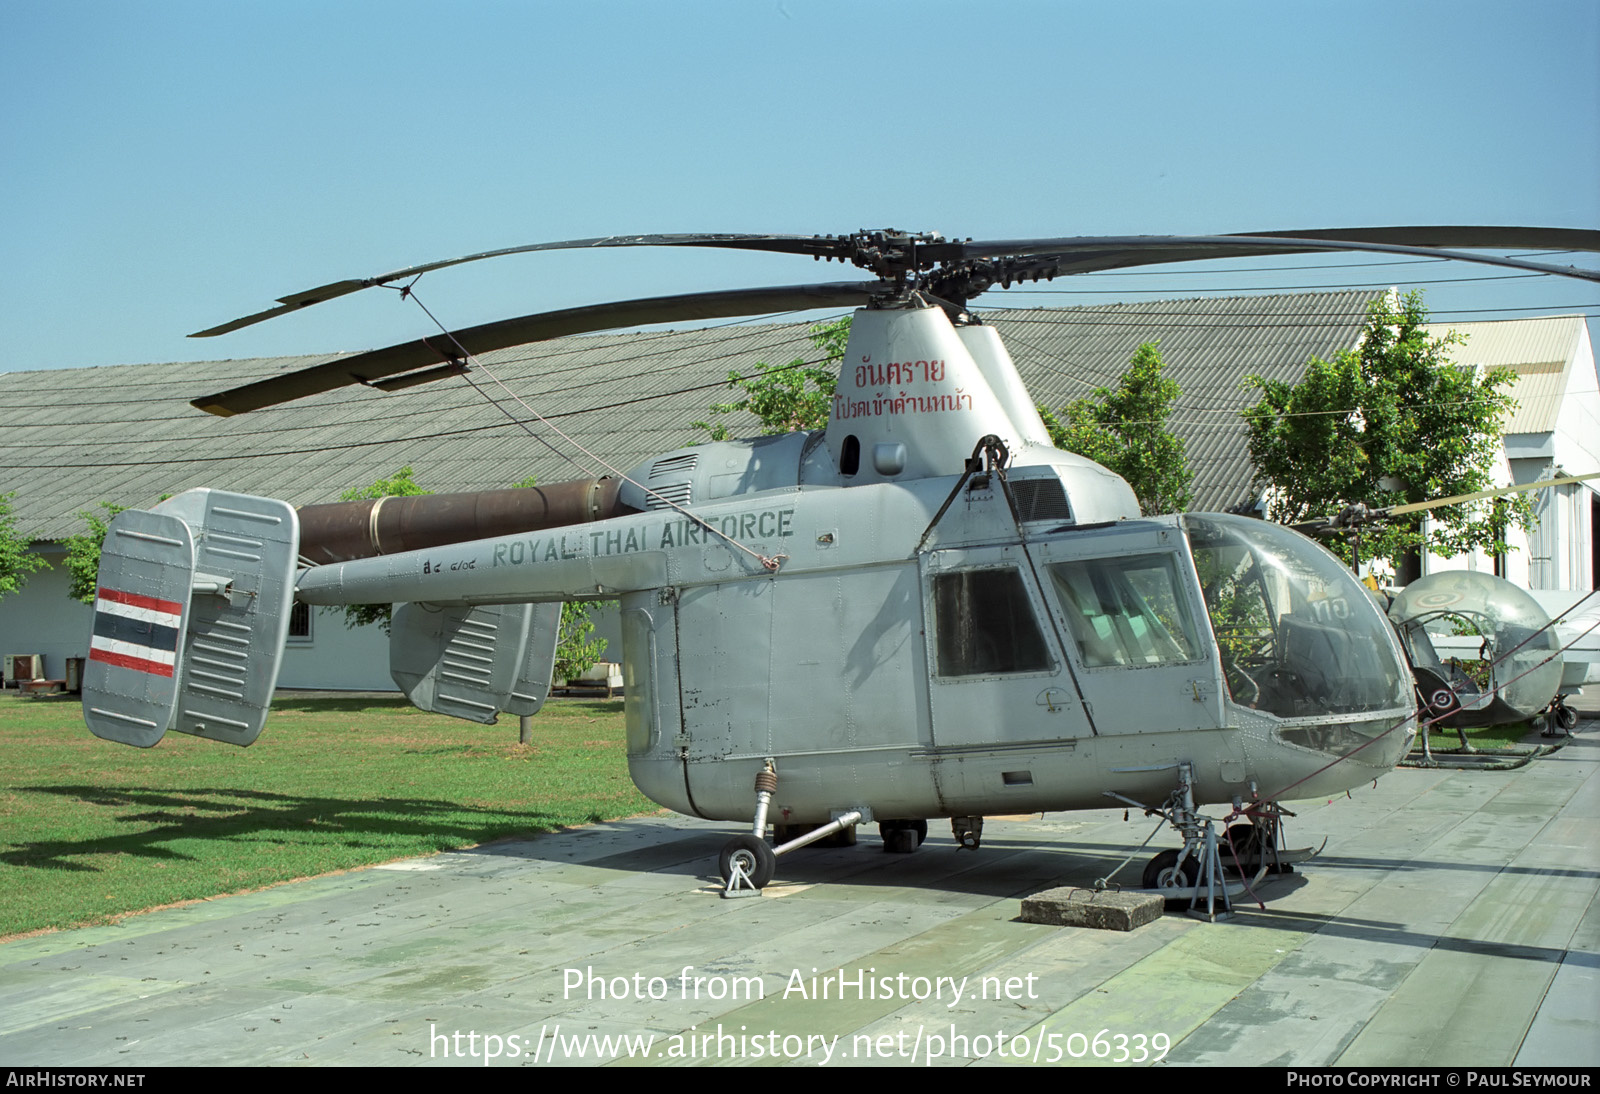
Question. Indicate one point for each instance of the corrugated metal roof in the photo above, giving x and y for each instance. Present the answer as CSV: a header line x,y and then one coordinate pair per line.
x,y
1539,350
1208,346
126,433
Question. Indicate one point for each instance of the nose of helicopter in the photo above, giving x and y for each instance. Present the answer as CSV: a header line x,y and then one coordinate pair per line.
x,y
1306,652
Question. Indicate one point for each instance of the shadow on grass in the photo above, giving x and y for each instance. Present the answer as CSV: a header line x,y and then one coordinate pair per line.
x,y
330,704
408,825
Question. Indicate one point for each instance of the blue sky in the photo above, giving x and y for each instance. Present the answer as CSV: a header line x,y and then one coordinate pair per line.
x,y
172,165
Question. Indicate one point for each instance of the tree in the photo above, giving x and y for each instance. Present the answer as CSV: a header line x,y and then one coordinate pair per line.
x,y
83,552
1387,423
399,485
16,560
577,649
788,397
1125,429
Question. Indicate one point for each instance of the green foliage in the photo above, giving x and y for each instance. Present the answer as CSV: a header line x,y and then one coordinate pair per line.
x,y
578,649
16,561
399,485
1125,429
1389,423
83,552
788,397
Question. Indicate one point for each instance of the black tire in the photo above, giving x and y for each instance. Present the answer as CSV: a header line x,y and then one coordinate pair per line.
x,y
1566,718
1163,871
1246,842
753,854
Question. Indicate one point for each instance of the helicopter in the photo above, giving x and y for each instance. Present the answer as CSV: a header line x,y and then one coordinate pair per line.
x,y
1518,673
924,610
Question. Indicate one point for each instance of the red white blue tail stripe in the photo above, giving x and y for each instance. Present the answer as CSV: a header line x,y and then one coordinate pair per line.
x,y
136,632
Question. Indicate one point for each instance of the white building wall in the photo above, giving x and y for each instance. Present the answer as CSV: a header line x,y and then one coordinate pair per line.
x,y
1560,544
41,618
1577,452
336,657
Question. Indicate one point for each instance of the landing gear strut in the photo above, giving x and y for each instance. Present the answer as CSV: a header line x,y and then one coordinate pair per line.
x,y
747,863
1199,871
1556,716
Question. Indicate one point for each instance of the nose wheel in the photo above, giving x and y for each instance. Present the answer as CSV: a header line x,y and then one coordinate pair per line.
x,y
1210,869
1172,869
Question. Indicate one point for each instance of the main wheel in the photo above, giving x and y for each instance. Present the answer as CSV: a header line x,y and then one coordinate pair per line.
x,y
752,855
1566,717
1163,872
1246,842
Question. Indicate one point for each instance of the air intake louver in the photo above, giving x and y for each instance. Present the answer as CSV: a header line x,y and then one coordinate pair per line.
x,y
1041,499
675,465
664,495
667,495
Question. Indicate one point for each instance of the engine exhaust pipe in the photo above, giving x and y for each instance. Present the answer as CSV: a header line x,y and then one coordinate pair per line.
x,y
347,530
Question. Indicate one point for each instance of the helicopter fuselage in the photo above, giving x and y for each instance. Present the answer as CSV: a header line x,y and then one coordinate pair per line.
x,y
975,664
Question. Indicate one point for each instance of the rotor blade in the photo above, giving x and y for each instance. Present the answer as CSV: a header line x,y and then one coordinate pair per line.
x,y
1481,495
363,368
889,253
817,246
1086,254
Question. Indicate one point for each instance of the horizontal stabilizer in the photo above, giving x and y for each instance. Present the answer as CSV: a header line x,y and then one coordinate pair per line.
x,y
473,662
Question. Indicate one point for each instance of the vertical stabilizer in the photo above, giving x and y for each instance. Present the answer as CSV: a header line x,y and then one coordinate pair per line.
x,y
190,616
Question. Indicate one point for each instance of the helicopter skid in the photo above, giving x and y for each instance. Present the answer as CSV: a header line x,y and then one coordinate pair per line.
x,y
1280,861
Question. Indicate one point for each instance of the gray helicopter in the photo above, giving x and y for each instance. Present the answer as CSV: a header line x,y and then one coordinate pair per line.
x,y
923,611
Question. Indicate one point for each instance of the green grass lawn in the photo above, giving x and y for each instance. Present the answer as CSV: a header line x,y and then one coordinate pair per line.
x,y
90,829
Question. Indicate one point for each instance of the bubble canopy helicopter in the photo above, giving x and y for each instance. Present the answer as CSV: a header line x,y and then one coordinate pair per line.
x,y
924,610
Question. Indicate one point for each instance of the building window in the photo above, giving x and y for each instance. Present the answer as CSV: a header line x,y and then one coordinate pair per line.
x,y
300,622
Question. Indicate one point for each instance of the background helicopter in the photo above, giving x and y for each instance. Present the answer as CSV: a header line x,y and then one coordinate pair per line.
x,y
924,610
1517,668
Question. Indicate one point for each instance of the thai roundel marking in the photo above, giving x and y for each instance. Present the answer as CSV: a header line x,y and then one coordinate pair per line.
x,y
136,632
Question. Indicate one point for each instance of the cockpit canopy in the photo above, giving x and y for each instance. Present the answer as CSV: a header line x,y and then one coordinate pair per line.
x,y
1297,634
1517,662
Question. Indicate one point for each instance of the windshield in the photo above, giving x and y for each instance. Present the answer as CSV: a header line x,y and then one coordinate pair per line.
x,y
1298,635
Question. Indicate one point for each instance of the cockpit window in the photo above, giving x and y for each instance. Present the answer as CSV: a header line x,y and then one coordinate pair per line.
x,y
984,624
1298,636
1126,611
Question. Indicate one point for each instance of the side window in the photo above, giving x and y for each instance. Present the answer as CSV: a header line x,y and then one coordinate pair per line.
x,y
1126,611
983,624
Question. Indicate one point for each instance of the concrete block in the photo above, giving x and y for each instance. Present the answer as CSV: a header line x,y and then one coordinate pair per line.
x,y
1070,906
